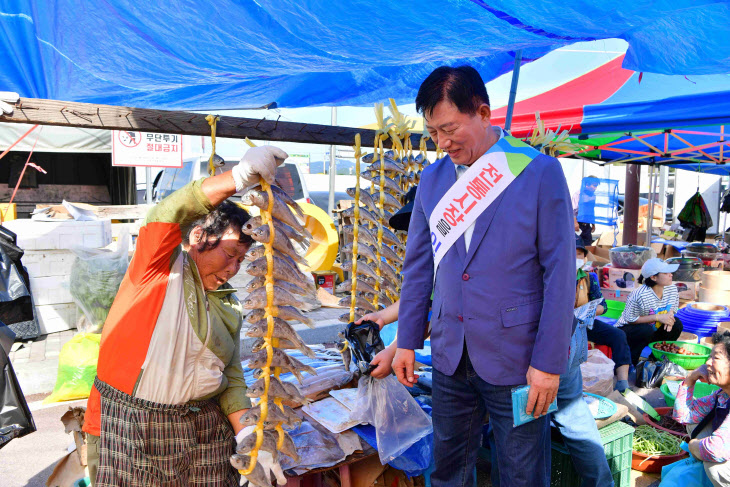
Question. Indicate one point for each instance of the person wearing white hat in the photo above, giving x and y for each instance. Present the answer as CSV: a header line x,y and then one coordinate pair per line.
x,y
650,310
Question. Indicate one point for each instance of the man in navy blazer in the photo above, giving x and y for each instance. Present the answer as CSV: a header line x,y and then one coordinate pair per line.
x,y
503,293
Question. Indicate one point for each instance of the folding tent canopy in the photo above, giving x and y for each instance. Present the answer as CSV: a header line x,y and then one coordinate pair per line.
x,y
625,116
244,53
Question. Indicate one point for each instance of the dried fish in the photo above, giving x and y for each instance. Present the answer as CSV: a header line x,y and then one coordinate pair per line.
x,y
365,215
362,268
389,254
359,313
281,359
282,297
282,270
280,226
282,330
362,250
258,476
284,390
281,243
389,165
284,312
284,196
260,281
280,210
389,183
365,197
274,416
362,285
260,344
359,302
363,235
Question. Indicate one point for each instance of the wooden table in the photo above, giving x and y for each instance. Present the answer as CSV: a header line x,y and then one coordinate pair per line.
x,y
313,478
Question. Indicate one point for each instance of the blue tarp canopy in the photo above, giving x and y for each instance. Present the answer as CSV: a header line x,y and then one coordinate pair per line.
x,y
244,53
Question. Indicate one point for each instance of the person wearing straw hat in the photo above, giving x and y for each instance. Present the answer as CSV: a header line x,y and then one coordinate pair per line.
x,y
650,310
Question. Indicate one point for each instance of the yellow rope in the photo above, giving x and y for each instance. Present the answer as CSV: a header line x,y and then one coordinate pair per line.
x,y
213,122
355,230
271,311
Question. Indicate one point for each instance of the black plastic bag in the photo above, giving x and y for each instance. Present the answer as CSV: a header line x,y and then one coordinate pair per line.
x,y
15,417
650,374
365,342
16,304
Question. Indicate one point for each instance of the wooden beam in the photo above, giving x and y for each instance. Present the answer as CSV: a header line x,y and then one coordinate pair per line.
x,y
89,115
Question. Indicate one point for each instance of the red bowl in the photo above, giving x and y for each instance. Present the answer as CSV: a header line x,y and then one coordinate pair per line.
x,y
661,411
653,465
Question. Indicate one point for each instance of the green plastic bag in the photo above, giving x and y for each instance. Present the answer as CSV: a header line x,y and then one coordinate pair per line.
x,y
76,368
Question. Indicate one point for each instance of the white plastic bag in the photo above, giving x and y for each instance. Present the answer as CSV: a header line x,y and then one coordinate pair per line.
x,y
597,373
398,419
95,278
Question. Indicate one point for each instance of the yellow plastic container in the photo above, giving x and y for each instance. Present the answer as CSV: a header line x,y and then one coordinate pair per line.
x,y
325,242
6,213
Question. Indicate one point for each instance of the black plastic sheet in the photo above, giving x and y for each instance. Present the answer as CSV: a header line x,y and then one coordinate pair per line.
x,y
15,417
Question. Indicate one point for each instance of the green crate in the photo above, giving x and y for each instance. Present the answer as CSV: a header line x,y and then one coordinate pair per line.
x,y
617,441
622,478
617,438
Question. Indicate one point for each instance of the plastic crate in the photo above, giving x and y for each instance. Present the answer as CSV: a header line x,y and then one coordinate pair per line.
x,y
617,441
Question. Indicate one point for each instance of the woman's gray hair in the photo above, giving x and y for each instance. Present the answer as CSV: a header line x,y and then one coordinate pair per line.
x,y
723,338
217,222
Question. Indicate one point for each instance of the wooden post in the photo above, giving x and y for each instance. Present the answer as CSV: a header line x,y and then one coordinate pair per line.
x,y
631,204
88,115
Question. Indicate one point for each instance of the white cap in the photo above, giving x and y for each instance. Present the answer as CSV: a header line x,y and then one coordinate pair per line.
x,y
652,267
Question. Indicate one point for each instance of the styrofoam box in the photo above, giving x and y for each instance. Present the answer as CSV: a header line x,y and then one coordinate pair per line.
x,y
45,263
50,290
53,318
61,235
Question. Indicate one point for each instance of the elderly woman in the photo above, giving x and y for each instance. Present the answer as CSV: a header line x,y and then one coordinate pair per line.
x,y
707,417
170,390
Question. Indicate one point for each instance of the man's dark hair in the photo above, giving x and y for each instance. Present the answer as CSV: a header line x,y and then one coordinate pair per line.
x,y
649,281
462,86
216,223
723,338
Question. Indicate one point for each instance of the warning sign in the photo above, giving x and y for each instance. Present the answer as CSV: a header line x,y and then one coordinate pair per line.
x,y
144,149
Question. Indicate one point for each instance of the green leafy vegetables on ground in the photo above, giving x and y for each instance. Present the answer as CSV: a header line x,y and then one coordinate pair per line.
x,y
651,441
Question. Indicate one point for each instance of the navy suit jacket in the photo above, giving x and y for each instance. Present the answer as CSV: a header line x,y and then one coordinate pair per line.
x,y
511,296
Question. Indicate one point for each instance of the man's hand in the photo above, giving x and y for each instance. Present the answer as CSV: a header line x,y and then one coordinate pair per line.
x,y
403,366
694,448
384,362
257,163
543,390
376,317
575,224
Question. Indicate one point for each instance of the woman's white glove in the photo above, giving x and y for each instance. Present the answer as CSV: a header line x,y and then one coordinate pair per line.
x,y
257,163
264,458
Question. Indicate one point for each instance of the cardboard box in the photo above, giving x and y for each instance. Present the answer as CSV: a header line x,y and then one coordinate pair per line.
x,y
616,294
688,289
325,280
617,278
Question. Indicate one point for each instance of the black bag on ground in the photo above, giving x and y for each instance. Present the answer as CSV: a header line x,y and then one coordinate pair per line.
x,y
15,417
650,374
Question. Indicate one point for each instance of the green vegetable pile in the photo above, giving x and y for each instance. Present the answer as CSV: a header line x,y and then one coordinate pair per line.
x,y
94,282
651,441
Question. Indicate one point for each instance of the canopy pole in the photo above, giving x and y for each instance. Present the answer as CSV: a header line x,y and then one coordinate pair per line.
x,y
631,204
148,184
513,91
333,170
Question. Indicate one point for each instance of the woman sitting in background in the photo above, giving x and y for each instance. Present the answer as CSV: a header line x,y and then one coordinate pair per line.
x,y
706,418
649,313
